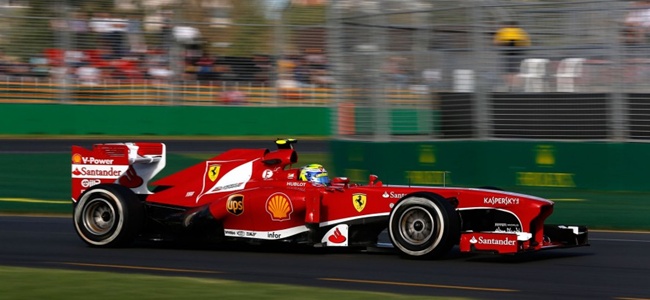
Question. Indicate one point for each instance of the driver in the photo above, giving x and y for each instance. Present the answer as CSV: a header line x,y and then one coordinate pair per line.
x,y
314,173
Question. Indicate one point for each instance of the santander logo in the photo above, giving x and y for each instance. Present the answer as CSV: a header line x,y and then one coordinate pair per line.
x,y
492,241
337,237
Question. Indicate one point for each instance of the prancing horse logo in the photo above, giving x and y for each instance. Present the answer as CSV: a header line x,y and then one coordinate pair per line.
x,y
359,201
213,172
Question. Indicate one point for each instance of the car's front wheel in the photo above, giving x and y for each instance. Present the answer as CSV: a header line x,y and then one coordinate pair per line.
x,y
108,215
424,225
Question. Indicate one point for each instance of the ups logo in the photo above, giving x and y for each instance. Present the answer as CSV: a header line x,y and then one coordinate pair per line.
x,y
235,204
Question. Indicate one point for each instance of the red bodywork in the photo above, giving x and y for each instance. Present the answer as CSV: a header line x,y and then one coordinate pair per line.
x,y
255,194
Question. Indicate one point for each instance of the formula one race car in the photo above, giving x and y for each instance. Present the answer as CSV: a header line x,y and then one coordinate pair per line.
x,y
257,195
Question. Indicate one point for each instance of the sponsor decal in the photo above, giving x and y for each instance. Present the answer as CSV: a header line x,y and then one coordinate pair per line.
x,y
213,172
492,241
393,195
359,201
240,233
86,183
215,182
428,177
297,184
545,155
96,161
227,187
279,207
97,171
79,159
506,227
427,155
501,200
235,204
130,178
291,176
273,235
267,174
337,236
189,194
545,179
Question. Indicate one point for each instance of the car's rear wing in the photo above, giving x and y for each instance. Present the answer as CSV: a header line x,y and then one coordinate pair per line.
x,y
129,164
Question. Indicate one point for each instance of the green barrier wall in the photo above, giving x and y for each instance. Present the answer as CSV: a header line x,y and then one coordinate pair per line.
x,y
506,164
69,119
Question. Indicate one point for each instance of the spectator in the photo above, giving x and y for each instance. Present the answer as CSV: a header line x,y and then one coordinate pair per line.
x,y
135,36
101,26
80,31
637,23
88,74
302,73
160,73
205,68
512,41
395,70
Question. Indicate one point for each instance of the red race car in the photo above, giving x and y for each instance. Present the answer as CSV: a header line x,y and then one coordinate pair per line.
x,y
257,195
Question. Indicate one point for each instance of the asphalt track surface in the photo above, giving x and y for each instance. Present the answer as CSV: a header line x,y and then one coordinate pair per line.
x,y
615,266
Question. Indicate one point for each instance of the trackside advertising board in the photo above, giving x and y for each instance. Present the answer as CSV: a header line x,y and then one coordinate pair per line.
x,y
506,164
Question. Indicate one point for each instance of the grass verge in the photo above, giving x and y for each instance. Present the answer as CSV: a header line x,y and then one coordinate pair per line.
x,y
29,283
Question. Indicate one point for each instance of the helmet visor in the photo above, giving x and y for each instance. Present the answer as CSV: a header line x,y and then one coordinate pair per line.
x,y
319,177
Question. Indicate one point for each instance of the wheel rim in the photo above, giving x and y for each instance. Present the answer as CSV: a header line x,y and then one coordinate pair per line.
x,y
99,216
416,226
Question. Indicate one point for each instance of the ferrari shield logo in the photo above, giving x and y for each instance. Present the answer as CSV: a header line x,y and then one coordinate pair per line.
x,y
359,201
213,172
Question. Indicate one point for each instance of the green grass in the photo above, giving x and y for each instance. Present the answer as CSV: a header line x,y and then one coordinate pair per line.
x,y
28,283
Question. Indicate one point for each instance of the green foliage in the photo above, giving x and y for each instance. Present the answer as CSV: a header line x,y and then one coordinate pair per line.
x,y
250,33
306,15
27,37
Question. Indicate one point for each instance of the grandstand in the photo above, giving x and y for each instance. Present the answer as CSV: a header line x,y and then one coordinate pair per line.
x,y
381,62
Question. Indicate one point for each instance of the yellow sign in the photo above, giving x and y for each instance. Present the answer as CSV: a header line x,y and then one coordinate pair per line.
x,y
359,201
545,155
213,172
545,179
427,155
279,207
428,177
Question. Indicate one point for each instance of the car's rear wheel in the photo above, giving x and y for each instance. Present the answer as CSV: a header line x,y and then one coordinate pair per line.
x,y
108,215
424,225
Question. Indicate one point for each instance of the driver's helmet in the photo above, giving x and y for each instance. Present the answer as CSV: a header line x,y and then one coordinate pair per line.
x,y
314,173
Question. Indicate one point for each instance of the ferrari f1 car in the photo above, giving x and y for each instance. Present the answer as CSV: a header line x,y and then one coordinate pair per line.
x,y
256,195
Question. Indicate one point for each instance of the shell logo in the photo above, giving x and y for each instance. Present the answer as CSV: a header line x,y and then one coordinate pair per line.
x,y
279,207
76,158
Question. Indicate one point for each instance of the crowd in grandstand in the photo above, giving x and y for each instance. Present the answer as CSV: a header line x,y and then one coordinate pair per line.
x,y
105,48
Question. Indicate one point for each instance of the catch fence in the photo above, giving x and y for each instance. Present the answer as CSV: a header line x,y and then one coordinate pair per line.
x,y
389,69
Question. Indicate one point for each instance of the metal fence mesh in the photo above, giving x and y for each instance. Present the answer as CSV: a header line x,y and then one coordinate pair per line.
x,y
581,76
390,69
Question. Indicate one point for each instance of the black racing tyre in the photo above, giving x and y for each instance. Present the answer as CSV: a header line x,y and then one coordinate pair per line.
x,y
108,215
424,225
